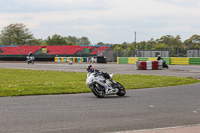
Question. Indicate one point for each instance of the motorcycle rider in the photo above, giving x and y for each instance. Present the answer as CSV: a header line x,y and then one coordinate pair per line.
x,y
30,54
30,58
159,57
164,62
97,72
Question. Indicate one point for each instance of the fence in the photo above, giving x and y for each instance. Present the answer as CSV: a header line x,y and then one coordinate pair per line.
x,y
169,60
112,55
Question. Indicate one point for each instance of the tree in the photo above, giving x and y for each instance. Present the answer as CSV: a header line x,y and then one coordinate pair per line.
x,y
165,39
124,45
56,40
160,46
83,41
101,43
72,40
193,42
35,42
142,45
15,34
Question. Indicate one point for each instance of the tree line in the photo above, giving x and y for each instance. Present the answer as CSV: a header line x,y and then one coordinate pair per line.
x,y
18,34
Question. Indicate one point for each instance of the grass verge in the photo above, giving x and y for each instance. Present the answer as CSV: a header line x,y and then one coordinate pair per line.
x,y
19,82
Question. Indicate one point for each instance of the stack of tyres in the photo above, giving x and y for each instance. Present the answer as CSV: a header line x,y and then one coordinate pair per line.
x,y
65,59
143,65
78,59
84,59
74,59
137,65
81,59
155,65
58,59
149,65
61,59
160,64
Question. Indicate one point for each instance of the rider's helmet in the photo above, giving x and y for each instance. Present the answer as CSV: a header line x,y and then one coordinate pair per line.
x,y
90,68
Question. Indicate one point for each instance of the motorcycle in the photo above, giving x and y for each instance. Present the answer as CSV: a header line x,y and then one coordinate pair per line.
x,y
165,64
102,87
30,59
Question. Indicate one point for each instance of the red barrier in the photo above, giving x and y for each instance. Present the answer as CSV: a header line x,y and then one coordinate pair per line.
x,y
155,65
143,65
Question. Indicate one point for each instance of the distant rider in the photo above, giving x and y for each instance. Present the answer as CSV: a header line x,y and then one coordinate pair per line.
x,y
159,57
30,54
164,62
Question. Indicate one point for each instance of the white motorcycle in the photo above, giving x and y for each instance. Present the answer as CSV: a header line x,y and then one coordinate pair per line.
x,y
30,59
101,87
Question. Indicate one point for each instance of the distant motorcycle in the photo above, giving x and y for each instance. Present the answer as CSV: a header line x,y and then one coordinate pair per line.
x,y
101,87
165,64
30,59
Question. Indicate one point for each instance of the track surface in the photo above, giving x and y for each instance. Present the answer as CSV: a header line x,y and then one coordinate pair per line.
x,y
139,109
174,70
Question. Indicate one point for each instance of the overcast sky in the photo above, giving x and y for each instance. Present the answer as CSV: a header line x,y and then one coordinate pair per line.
x,y
108,21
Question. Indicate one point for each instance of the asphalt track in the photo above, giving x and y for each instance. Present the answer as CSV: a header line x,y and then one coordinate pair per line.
x,y
139,110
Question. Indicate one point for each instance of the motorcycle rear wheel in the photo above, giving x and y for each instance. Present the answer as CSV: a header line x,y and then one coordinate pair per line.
x,y
98,91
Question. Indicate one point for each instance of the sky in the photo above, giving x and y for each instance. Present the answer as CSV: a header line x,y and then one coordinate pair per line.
x,y
108,21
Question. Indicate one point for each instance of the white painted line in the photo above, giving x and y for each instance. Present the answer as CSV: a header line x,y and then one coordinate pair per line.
x,y
154,129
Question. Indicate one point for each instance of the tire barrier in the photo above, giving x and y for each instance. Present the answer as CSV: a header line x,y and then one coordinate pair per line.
x,y
149,65
68,59
169,60
98,59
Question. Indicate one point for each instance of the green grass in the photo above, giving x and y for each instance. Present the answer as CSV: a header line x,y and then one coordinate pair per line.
x,y
18,82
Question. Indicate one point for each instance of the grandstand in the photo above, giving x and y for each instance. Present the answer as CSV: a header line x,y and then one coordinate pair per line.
x,y
99,50
53,50
19,50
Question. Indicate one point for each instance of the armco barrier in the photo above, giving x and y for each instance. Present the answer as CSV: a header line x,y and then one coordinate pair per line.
x,y
179,61
132,60
152,58
169,60
142,58
122,60
194,61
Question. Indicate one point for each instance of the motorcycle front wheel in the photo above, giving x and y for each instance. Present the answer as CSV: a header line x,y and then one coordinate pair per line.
x,y
121,88
98,91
